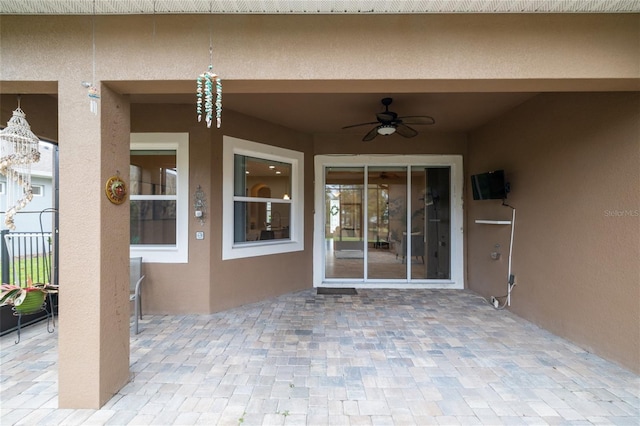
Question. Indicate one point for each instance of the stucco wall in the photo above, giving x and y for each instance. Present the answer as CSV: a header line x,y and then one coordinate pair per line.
x,y
165,281
572,160
215,284
440,48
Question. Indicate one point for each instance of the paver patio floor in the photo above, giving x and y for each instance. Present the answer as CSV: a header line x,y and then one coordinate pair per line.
x,y
381,357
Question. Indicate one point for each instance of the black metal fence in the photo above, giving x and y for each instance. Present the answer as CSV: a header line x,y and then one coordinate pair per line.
x,y
25,256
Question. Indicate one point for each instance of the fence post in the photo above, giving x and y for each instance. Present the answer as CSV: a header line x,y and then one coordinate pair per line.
x,y
4,257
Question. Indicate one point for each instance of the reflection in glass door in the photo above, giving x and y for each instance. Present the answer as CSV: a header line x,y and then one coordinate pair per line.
x,y
344,227
387,218
398,229
430,223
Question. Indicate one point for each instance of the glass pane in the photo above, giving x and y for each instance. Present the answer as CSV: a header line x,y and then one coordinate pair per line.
x,y
430,223
386,216
416,247
344,196
153,172
153,222
261,221
257,177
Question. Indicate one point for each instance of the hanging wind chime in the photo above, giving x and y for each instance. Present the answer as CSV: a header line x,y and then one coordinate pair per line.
x,y
92,91
18,150
205,93
94,97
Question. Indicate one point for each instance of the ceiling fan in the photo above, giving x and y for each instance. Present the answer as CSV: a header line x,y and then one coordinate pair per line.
x,y
389,123
386,175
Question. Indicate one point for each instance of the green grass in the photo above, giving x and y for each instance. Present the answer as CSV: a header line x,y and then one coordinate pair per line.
x,y
36,268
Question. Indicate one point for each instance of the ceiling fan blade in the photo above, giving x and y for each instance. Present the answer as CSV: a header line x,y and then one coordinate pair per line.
x,y
386,116
417,119
389,123
371,135
361,124
405,131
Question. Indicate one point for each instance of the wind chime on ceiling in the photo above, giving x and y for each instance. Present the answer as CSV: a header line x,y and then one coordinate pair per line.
x,y
92,90
18,150
208,84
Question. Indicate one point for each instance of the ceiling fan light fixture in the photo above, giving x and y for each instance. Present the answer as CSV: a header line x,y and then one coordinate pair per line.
x,y
386,129
388,123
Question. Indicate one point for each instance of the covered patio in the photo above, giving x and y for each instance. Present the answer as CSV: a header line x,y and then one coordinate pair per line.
x,y
379,357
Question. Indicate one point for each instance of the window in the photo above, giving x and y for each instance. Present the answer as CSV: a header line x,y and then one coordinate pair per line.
x,y
2,190
159,170
262,198
37,190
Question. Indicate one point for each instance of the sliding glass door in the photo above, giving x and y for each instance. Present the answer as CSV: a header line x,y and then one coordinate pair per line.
x,y
389,224
430,222
386,213
344,223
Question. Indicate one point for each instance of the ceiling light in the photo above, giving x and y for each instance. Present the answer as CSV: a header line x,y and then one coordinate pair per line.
x,y
386,129
278,172
272,166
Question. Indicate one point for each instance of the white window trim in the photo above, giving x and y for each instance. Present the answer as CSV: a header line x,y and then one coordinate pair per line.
x,y
457,219
180,143
231,250
41,194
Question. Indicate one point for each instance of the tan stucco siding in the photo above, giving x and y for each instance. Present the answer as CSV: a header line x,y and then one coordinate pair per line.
x,y
572,160
215,284
458,47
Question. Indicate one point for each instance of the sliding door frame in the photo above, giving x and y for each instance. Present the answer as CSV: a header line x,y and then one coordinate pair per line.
x,y
454,162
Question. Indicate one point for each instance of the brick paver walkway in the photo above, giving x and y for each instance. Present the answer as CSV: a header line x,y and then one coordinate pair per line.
x,y
381,357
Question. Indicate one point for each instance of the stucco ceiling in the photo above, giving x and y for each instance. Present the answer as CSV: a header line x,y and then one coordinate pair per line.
x,y
329,112
326,107
314,111
109,7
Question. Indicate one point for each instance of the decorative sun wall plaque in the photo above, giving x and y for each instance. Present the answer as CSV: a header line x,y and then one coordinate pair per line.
x,y
116,190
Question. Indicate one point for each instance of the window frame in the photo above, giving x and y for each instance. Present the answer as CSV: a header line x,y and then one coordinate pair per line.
x,y
167,253
41,193
231,250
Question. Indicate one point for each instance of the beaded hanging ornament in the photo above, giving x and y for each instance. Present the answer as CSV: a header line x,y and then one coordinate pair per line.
x,y
205,88
205,94
18,150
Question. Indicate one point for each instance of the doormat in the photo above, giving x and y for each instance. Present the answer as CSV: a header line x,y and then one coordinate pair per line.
x,y
332,290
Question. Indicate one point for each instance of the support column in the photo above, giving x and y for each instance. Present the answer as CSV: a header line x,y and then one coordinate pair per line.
x,y
94,248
